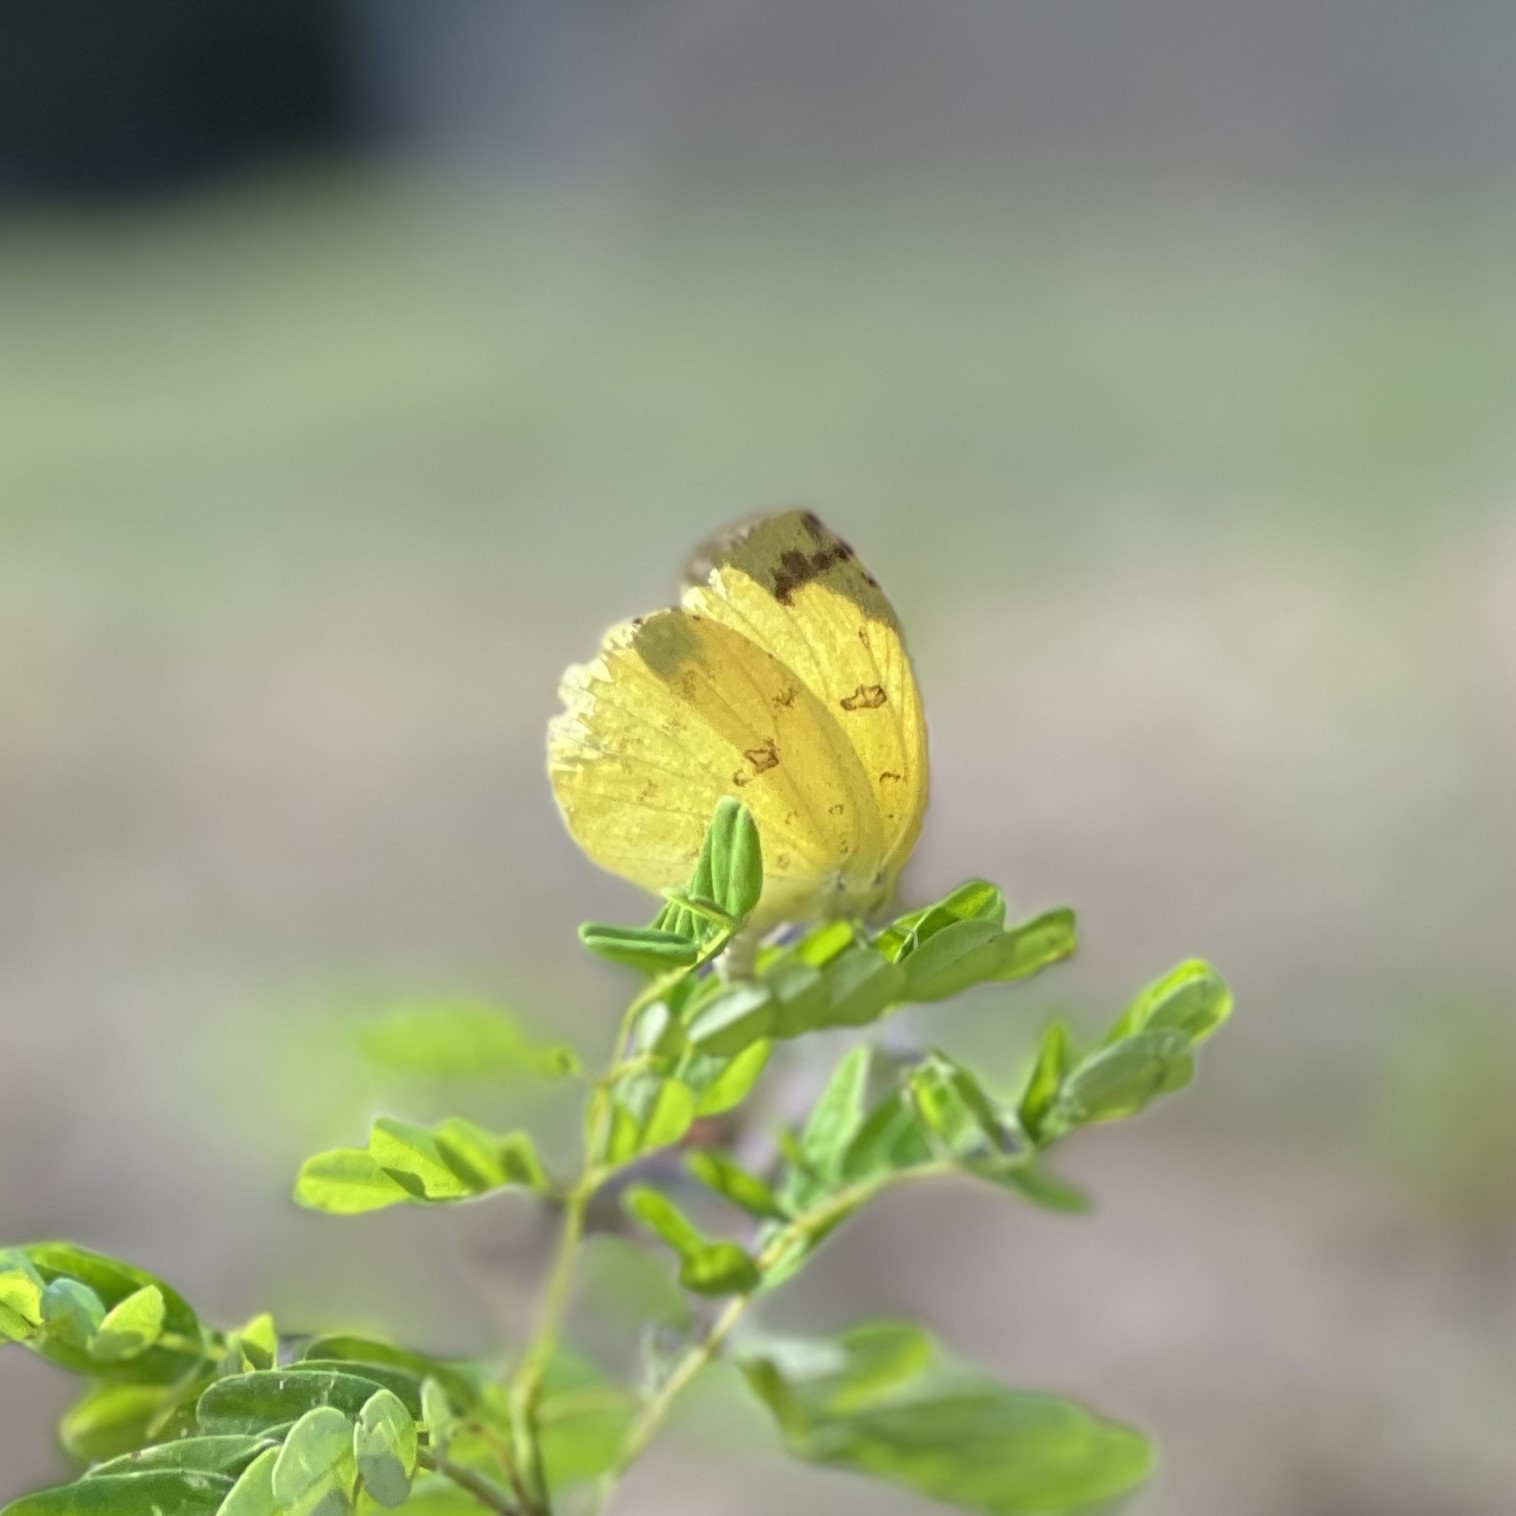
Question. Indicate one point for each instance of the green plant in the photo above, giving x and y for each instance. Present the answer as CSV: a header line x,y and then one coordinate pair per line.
x,y
179,1418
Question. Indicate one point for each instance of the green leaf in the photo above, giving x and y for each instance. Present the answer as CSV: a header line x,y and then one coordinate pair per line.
x,y
860,986
582,1421
817,948
453,1161
437,1414
722,1084
733,1020
415,1160
253,1494
131,1328
254,1346
736,860
404,1382
890,1140
1191,999
1038,944
705,1267
1055,1061
964,953
719,1268
520,1163
346,1182
204,1455
871,1403
317,1457
650,950
160,1492
955,1109
112,1281
733,1183
650,1112
385,1445
975,900
1118,1081
864,1361
460,1040
800,996
461,1378
837,1116
252,1403
71,1313
477,1160
111,1419
664,1219
21,1288
1034,1183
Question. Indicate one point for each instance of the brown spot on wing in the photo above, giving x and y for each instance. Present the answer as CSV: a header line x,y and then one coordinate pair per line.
x,y
867,697
763,758
797,568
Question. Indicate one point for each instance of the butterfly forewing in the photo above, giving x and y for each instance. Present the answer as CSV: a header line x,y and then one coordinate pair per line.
x,y
796,589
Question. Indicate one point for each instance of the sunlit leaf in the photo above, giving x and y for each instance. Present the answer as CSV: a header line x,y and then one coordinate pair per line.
x,y
453,1161
129,1328
1191,999
722,1084
346,1182
21,1288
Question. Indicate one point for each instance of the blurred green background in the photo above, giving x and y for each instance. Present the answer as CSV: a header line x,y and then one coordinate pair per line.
x,y
1163,367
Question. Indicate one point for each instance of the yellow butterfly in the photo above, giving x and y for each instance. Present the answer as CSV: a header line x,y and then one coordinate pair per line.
x,y
780,679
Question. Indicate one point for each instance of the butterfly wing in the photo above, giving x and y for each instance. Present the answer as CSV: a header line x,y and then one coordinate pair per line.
x,y
679,709
790,585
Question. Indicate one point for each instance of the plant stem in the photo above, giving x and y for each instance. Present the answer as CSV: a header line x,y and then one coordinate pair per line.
x,y
656,1409
527,1389
802,1228
526,1385
477,1485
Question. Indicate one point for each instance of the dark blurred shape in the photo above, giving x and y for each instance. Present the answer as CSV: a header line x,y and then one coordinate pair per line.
x,y
103,98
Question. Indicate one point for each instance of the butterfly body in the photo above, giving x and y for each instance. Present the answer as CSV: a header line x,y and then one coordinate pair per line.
x,y
780,679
